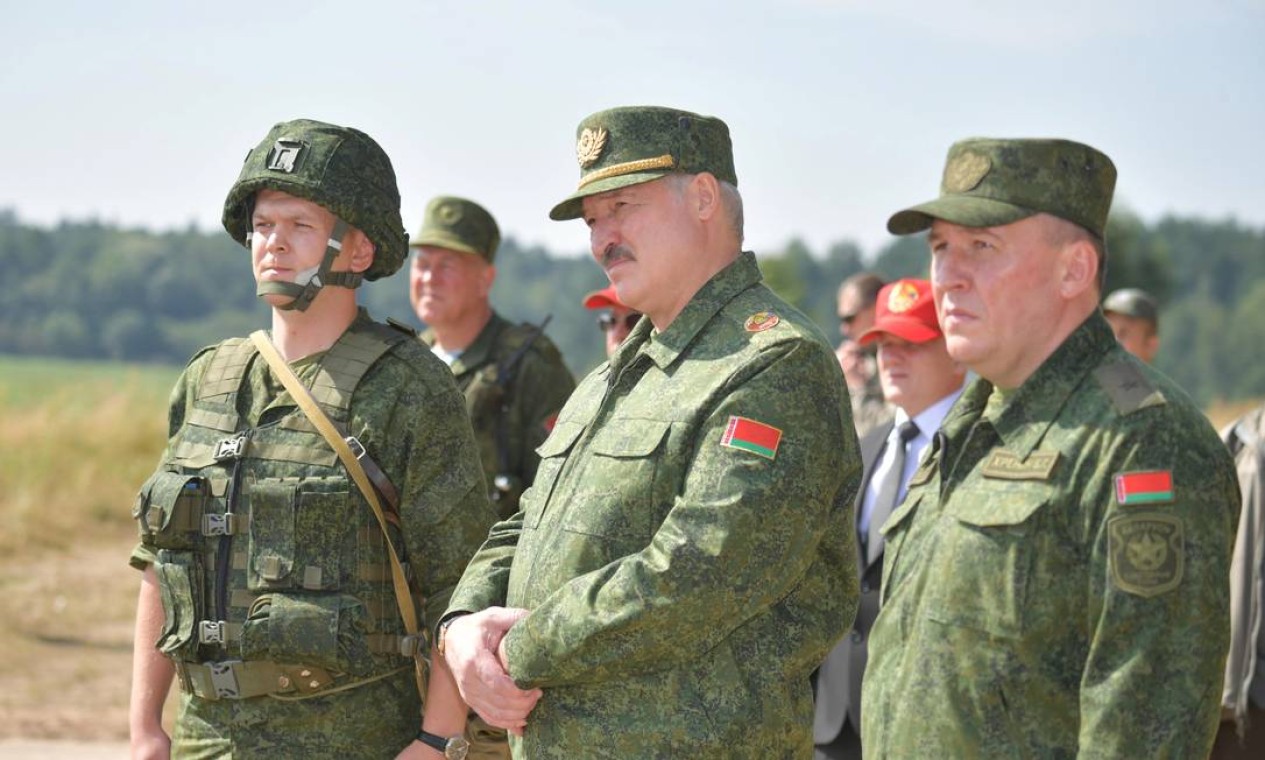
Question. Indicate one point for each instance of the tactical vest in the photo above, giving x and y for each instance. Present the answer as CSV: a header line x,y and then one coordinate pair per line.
x,y
273,571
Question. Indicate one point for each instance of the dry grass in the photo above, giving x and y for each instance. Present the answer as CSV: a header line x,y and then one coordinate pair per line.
x,y
78,439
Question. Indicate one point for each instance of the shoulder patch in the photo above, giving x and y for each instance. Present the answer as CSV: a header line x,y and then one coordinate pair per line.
x,y
749,435
1147,553
761,321
1127,387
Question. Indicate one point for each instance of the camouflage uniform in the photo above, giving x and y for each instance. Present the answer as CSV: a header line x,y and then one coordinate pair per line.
x,y
539,384
682,590
273,572
1047,632
1054,582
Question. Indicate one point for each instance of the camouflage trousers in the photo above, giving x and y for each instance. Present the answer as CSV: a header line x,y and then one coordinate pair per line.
x,y
376,721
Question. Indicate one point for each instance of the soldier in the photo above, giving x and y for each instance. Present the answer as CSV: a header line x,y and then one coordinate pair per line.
x,y
1055,579
270,589
615,320
685,558
856,306
1134,316
512,376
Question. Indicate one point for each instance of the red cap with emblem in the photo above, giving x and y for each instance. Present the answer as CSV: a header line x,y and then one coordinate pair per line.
x,y
906,309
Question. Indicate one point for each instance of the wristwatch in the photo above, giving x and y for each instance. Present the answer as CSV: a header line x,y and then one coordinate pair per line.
x,y
453,747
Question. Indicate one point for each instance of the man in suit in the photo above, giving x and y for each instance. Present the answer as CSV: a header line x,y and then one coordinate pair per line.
x,y
920,379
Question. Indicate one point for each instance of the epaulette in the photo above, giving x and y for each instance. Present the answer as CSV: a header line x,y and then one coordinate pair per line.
x,y
1128,388
406,329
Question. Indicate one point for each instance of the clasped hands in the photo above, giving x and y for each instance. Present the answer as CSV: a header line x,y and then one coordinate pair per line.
x,y
474,648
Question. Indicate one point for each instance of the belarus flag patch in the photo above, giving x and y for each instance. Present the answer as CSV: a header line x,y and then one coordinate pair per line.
x,y
1153,487
749,435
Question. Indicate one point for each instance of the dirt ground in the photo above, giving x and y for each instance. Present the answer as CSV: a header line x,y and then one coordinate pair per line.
x,y
66,651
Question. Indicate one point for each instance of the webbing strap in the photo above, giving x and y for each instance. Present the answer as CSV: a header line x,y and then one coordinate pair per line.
x,y
403,595
306,293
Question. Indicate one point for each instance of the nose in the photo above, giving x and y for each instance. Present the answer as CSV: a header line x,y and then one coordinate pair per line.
x,y
948,272
602,235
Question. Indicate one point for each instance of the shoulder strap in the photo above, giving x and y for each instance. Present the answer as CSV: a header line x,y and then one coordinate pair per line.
x,y
341,446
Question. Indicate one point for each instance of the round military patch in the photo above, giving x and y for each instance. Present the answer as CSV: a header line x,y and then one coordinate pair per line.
x,y
588,148
449,213
902,297
1147,553
964,173
761,321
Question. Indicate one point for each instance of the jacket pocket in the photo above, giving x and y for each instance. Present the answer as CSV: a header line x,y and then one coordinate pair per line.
x,y
553,455
299,533
616,489
985,556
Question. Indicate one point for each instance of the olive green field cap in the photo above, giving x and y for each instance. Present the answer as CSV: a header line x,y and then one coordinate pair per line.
x,y
626,146
339,168
990,182
459,224
1133,302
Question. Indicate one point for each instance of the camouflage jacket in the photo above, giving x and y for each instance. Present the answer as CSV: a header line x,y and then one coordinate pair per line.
x,y
538,386
299,573
1055,579
687,550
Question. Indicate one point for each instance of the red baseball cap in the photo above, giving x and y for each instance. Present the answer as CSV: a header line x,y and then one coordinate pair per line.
x,y
606,298
906,309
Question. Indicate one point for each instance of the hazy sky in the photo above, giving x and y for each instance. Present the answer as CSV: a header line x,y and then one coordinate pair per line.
x,y
140,112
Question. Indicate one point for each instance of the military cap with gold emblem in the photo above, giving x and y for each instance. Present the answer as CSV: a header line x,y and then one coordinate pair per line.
x,y
990,182
633,144
459,225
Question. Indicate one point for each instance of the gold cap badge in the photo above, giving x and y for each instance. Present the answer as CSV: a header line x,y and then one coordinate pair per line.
x,y
966,171
902,298
589,147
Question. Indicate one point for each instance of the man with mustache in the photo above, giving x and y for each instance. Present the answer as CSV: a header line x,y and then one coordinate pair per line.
x,y
1055,581
685,557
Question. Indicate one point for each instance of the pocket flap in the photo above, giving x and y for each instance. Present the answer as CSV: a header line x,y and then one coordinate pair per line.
x,y
564,434
999,507
629,438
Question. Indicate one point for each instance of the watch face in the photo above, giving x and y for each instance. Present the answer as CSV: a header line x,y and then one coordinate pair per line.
x,y
457,748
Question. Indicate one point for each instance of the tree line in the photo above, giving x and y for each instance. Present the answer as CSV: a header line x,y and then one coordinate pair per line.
x,y
86,289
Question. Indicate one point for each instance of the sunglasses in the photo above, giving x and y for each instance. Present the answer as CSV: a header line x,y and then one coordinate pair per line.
x,y
606,321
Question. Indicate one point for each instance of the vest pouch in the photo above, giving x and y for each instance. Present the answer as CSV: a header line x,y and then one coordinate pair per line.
x,y
180,588
169,510
324,630
300,533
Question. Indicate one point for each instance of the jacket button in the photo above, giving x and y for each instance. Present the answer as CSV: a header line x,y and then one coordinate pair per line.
x,y
865,587
856,637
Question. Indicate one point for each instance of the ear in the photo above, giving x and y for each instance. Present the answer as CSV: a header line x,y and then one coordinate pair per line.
x,y
707,194
360,248
486,278
1078,269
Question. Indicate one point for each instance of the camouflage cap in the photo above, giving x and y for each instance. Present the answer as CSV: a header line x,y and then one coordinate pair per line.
x,y
990,182
1133,302
459,225
339,168
633,144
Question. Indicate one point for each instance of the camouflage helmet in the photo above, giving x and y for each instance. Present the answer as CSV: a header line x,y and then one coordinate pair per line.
x,y
339,168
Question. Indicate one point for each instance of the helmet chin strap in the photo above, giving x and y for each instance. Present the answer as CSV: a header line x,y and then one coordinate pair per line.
x,y
309,282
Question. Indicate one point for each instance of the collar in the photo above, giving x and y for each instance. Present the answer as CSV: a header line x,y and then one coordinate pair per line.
x,y
664,348
1035,405
477,353
930,419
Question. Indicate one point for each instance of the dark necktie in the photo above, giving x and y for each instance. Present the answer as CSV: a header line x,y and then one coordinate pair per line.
x,y
889,488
